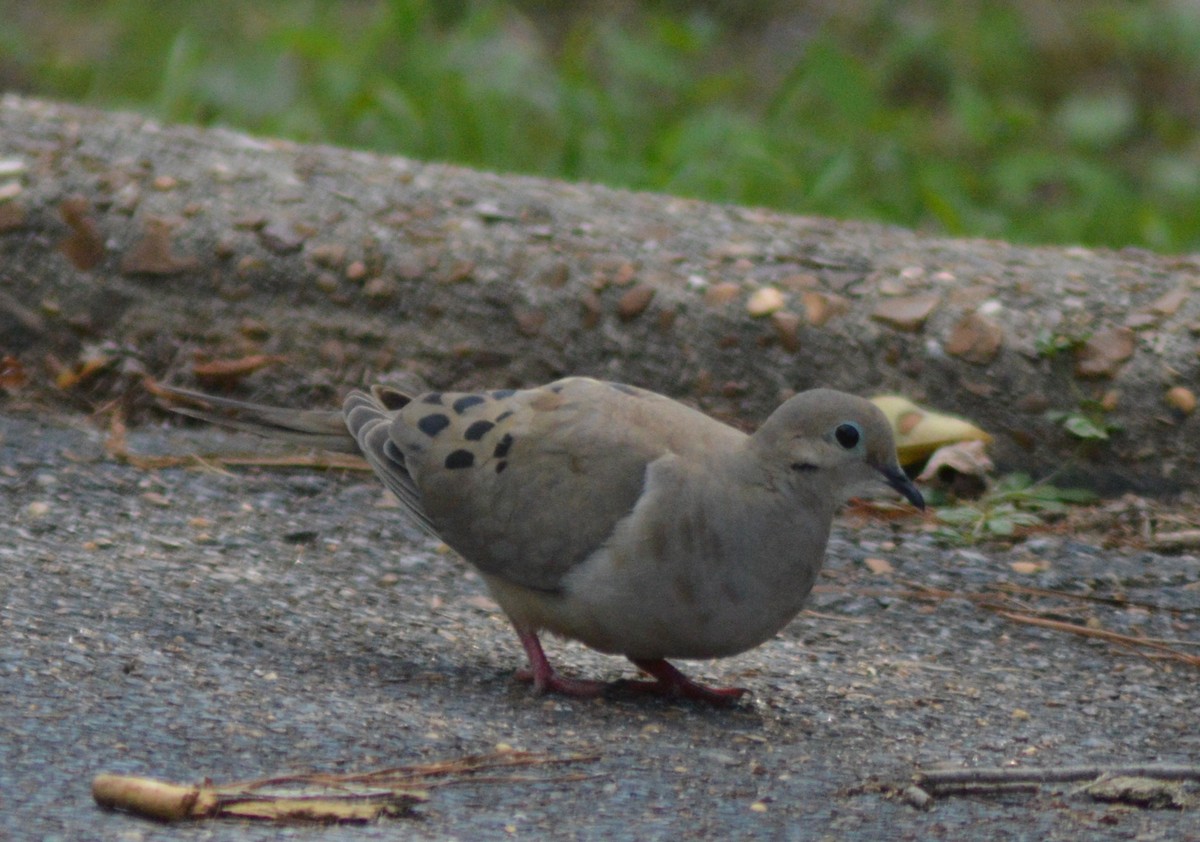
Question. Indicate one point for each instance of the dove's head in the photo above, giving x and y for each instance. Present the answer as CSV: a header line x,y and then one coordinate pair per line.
x,y
838,442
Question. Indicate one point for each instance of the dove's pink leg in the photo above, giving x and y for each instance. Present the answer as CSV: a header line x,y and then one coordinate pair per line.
x,y
668,682
543,676
672,683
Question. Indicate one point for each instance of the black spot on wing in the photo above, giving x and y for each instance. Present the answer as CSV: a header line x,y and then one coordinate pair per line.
x,y
434,398
433,424
502,446
503,415
501,394
460,459
500,466
466,402
478,430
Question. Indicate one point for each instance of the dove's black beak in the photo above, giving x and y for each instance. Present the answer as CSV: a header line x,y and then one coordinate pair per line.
x,y
898,480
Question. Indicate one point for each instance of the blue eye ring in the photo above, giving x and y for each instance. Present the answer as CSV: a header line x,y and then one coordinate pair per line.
x,y
847,434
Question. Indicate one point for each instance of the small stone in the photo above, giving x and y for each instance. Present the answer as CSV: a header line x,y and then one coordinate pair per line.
x,y
800,281
154,253
255,329
634,302
328,255
917,797
625,275
37,509
787,329
1104,353
555,275
84,247
731,250
380,288
1033,403
530,321
462,270
281,238
249,265
1140,321
820,307
589,302
250,222
356,271
224,248
721,293
1181,398
906,313
764,302
976,339
879,566
12,216
1169,303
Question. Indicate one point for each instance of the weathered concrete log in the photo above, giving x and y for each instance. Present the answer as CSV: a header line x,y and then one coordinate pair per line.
x,y
168,240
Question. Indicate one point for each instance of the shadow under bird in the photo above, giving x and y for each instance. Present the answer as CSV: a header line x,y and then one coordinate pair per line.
x,y
610,514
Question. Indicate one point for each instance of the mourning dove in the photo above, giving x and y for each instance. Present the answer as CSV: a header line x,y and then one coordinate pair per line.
x,y
610,514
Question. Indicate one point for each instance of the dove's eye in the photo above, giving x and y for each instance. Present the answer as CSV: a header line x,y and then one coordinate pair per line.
x,y
847,435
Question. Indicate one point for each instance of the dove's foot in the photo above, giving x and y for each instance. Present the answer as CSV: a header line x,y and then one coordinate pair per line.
x,y
546,680
579,688
668,681
673,684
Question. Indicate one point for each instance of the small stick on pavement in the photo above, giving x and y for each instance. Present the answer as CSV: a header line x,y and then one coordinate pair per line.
x,y
1005,777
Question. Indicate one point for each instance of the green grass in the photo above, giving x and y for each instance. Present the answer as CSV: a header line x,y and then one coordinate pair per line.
x,y
1074,122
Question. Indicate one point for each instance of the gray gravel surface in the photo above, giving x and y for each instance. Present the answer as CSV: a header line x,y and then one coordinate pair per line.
x,y
183,623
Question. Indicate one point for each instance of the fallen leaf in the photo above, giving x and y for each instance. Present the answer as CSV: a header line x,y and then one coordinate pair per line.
x,y
961,459
88,367
12,373
920,432
226,372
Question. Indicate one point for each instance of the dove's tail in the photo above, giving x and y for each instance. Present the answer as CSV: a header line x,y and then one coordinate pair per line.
x,y
321,429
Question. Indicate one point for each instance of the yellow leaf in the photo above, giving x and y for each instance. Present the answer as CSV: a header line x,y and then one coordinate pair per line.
x,y
919,432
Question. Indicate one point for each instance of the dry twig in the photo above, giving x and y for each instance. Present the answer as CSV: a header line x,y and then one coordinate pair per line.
x,y
317,797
